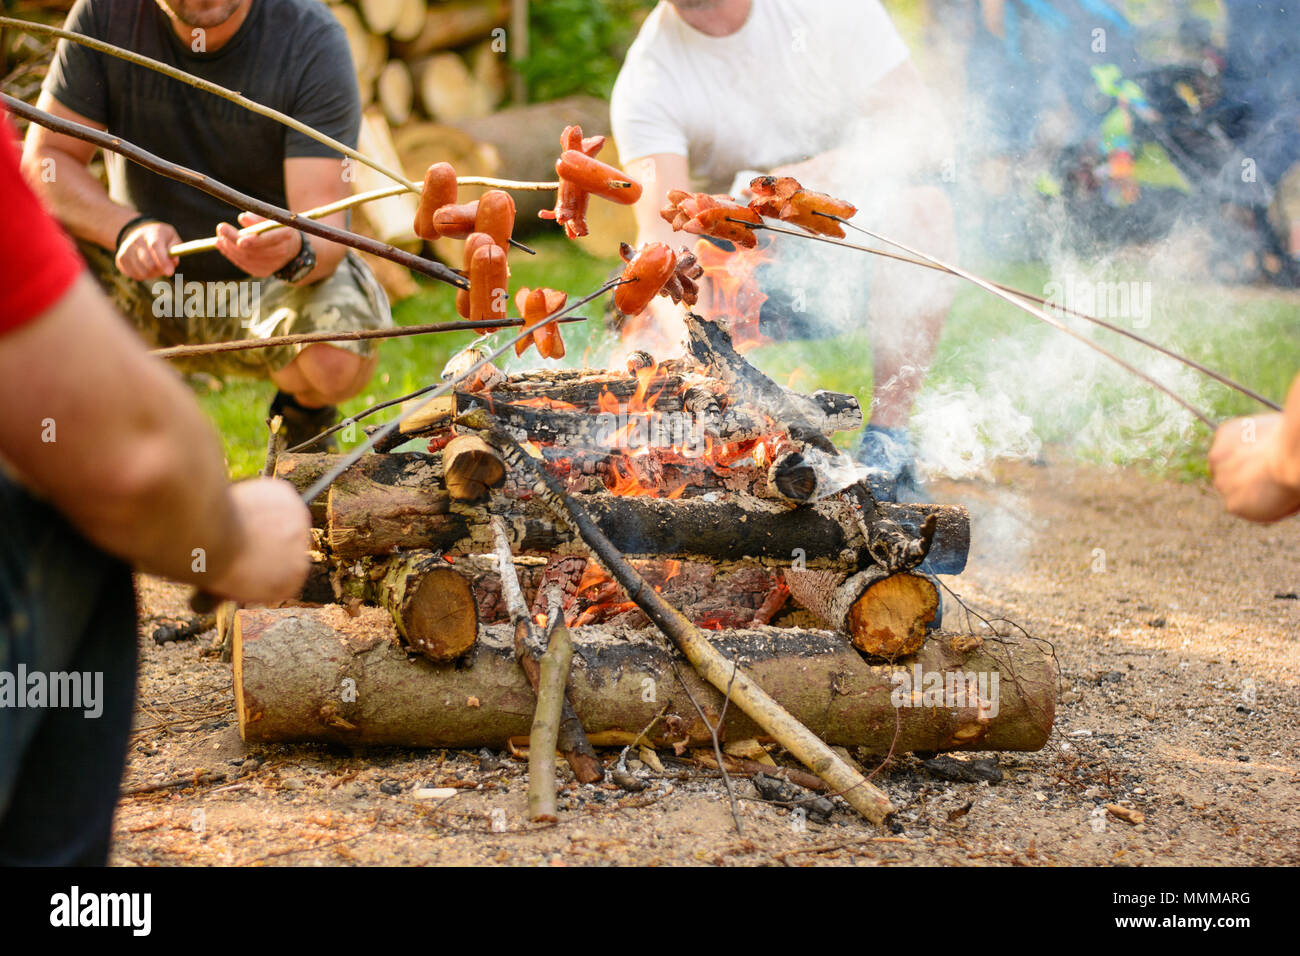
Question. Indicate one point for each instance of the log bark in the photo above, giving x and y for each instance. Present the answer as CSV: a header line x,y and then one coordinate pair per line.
x,y
366,518
394,502
290,664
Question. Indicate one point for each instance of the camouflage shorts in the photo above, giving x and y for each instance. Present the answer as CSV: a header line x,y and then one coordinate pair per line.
x,y
170,312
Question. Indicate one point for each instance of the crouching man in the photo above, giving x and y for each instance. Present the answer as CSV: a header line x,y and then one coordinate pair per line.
x,y
287,54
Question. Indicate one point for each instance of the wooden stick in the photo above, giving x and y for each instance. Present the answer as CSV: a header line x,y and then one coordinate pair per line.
x,y
546,726
572,738
1006,293
349,335
1075,313
707,660
1044,317
189,79
320,212
114,144
467,375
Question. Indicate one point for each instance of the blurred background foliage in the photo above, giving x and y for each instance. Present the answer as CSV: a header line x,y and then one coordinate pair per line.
x,y
577,46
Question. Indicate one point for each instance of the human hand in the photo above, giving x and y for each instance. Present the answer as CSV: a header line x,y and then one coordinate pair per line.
x,y
1243,465
143,253
261,254
272,562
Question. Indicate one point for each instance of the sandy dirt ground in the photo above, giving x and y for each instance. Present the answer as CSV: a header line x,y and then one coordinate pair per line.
x,y
1177,739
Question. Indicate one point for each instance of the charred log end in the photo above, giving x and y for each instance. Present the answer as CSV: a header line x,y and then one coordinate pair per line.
x,y
439,617
793,478
890,617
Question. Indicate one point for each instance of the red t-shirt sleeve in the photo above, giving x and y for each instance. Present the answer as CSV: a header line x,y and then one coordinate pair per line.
x,y
38,262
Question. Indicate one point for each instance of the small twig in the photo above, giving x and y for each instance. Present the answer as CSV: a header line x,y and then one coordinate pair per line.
x,y
717,747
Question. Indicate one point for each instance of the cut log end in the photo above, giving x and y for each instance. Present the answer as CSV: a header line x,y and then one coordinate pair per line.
x,y
471,467
439,618
890,618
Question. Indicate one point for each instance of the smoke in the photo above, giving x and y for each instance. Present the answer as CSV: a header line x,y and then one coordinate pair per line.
x,y
1001,385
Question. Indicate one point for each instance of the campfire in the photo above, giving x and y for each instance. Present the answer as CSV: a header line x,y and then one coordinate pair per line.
x,y
719,487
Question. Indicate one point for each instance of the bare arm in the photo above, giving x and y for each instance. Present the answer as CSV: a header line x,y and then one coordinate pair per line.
x,y
907,133
118,445
308,182
57,168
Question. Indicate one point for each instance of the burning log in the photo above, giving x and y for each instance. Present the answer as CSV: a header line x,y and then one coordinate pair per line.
x,y
290,662
366,517
707,660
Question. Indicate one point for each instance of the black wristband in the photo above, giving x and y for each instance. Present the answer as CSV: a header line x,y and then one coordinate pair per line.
x,y
130,224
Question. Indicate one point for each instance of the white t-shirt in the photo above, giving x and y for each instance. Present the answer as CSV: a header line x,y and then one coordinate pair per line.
x,y
787,85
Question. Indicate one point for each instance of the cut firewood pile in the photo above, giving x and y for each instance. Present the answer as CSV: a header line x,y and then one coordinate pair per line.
x,y
593,503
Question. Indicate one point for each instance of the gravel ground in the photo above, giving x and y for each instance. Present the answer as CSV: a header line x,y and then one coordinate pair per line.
x,y
1175,627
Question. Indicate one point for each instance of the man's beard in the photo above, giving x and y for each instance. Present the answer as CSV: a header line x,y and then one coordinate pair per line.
x,y
203,14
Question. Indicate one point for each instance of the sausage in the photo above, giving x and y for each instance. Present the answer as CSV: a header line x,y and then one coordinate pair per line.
x,y
455,221
650,268
570,201
439,190
530,303
472,243
496,216
597,178
489,279
717,222
806,200
549,342
462,303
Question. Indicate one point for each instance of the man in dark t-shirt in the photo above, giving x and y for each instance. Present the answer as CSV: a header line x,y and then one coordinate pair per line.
x,y
287,54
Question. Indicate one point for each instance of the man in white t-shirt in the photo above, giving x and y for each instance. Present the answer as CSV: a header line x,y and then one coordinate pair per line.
x,y
715,91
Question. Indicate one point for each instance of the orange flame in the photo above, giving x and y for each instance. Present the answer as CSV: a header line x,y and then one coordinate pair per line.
x,y
729,291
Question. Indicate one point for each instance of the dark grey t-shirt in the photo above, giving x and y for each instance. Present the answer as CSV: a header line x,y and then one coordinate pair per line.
x,y
288,54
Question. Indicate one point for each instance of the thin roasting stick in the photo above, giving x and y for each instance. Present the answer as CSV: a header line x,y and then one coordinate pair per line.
x,y
353,335
1110,326
379,435
215,89
269,225
1023,306
115,144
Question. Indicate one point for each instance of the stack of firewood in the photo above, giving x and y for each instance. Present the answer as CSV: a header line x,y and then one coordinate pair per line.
x,y
448,60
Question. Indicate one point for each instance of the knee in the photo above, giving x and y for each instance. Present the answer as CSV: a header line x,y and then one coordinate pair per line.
x,y
333,373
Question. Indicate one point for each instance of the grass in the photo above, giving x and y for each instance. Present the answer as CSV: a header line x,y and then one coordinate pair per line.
x,y
987,347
